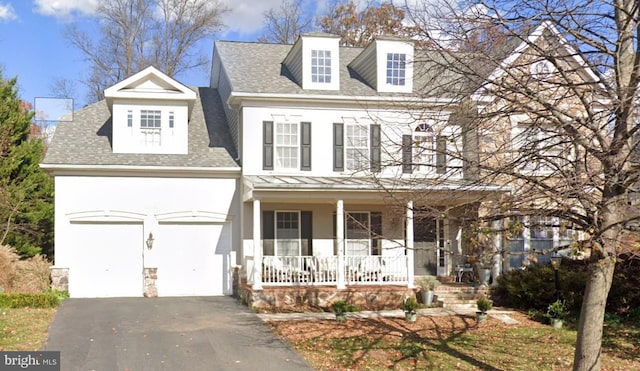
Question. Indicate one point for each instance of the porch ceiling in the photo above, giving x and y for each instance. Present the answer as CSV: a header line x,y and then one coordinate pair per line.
x,y
364,189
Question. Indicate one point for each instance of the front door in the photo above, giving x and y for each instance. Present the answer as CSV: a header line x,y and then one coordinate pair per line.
x,y
424,242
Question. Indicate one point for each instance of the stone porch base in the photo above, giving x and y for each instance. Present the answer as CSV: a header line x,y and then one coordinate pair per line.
x,y
319,298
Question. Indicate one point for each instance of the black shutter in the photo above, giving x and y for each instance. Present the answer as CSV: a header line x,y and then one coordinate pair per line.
x,y
268,232
305,146
375,148
441,155
306,233
338,147
376,233
267,145
407,154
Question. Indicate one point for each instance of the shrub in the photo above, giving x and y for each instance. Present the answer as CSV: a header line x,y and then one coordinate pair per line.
x,y
26,276
410,305
341,306
19,300
484,304
32,275
556,309
8,259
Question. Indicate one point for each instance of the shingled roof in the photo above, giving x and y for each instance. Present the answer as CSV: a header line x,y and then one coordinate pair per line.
x,y
87,140
257,68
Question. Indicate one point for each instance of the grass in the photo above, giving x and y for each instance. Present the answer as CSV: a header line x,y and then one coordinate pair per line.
x,y
462,346
24,328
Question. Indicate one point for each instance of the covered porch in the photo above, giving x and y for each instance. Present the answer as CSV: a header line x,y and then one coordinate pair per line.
x,y
344,232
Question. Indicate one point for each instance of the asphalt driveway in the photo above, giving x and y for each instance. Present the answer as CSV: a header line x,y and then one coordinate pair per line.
x,y
194,333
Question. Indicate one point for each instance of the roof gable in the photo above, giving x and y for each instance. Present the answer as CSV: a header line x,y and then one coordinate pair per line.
x,y
150,83
545,28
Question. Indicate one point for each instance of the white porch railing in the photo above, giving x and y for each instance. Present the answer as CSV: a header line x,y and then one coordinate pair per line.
x,y
323,270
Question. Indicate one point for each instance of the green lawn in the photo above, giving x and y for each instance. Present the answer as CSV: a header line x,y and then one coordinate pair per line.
x,y
24,328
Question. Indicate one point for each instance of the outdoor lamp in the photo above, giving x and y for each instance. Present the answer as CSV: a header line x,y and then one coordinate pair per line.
x,y
556,259
150,241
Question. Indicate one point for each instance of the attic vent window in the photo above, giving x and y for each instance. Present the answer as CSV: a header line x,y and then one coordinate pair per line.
x,y
321,66
396,69
542,70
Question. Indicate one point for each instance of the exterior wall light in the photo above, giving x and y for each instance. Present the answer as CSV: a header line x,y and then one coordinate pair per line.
x,y
150,241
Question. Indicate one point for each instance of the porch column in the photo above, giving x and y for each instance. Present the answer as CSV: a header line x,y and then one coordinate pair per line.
x,y
496,261
410,246
340,243
257,246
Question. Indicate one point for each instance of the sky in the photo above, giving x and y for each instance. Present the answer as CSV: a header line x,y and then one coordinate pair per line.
x,y
33,47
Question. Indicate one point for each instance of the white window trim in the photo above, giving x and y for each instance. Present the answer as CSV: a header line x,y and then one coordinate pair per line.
x,y
275,232
401,67
363,153
315,77
420,153
357,240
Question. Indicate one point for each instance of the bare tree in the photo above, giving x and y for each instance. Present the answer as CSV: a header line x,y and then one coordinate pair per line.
x,y
136,33
548,108
358,27
283,25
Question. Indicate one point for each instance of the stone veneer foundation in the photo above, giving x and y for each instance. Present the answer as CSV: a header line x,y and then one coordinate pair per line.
x,y
150,278
60,279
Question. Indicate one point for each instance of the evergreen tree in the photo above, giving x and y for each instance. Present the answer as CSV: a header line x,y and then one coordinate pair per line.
x,y
26,192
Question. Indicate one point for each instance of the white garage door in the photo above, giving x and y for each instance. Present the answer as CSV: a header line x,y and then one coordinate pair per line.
x,y
193,259
107,260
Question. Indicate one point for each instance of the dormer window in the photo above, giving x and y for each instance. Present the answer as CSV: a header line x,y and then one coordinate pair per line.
x,y
396,72
150,119
321,66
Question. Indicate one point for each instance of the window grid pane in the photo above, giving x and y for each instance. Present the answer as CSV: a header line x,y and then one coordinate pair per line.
x,y
150,119
396,69
357,147
287,143
287,233
358,234
321,66
423,152
171,117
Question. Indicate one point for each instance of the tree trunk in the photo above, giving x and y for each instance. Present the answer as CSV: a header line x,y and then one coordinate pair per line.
x,y
588,344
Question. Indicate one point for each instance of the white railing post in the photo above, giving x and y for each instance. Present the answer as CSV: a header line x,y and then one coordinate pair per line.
x,y
257,247
340,243
410,246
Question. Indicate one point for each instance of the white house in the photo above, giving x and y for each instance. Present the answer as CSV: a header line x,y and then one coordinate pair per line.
x,y
146,196
301,165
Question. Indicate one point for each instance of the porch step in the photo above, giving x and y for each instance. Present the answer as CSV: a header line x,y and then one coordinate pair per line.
x,y
459,296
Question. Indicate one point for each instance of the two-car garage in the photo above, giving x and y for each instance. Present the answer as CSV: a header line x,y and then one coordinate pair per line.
x,y
190,258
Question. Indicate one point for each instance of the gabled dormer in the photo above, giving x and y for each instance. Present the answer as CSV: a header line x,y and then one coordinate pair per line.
x,y
150,114
387,65
314,61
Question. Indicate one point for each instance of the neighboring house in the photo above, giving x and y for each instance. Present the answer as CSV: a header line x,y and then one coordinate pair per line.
x,y
146,196
304,164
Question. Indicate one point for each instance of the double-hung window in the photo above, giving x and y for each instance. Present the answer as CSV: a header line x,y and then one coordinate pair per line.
x,y
539,148
287,145
358,235
357,147
396,69
287,236
423,148
321,66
